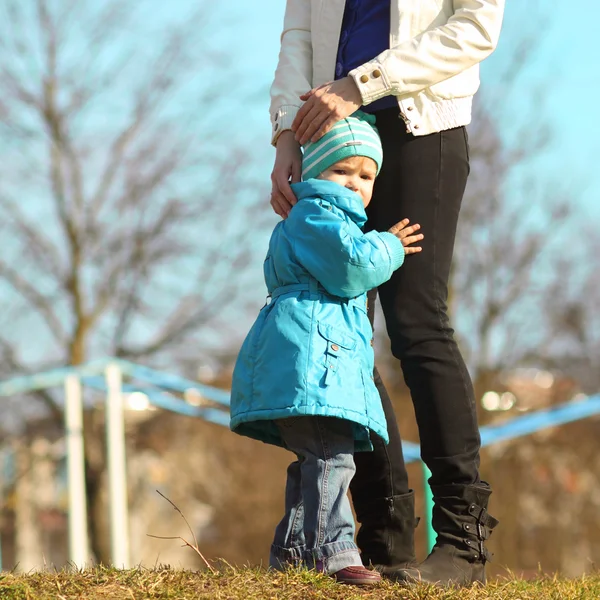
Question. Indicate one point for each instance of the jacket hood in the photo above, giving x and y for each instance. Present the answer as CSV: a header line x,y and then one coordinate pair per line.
x,y
347,200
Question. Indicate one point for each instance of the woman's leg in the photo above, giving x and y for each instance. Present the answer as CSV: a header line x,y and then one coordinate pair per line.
x,y
423,178
382,500
382,472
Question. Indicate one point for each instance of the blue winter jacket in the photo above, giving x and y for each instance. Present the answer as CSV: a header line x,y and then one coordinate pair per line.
x,y
309,351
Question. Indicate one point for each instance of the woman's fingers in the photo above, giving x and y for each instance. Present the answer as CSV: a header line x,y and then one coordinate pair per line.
x,y
311,131
301,115
288,164
310,123
282,186
307,95
327,124
296,175
323,107
412,249
280,204
277,208
303,119
282,196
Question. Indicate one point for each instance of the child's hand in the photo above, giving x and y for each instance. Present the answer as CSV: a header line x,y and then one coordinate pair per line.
x,y
405,235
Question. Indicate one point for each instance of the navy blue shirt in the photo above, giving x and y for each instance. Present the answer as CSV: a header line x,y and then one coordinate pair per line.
x,y
365,34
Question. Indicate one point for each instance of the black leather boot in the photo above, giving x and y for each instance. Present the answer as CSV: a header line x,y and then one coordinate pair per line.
x,y
462,523
387,534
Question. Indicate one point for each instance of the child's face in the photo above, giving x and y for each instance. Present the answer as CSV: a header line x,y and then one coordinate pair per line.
x,y
357,173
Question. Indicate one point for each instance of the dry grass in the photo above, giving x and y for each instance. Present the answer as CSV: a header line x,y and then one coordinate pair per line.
x,y
256,584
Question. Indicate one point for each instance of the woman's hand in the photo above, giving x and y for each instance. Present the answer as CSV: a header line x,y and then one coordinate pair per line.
x,y
405,235
288,166
324,107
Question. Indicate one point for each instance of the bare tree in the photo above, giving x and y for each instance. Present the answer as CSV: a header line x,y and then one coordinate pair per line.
x,y
513,225
124,213
573,306
504,260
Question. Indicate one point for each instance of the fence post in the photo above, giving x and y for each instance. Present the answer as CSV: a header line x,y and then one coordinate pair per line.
x,y
78,527
428,496
117,478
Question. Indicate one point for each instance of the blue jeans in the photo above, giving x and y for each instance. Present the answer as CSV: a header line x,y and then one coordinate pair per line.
x,y
318,527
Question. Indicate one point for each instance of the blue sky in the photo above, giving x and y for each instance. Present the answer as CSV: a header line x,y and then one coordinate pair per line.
x,y
564,66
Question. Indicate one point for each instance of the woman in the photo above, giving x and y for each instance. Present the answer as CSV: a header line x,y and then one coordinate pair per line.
x,y
414,65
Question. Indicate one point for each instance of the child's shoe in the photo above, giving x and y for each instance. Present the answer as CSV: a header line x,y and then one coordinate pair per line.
x,y
357,576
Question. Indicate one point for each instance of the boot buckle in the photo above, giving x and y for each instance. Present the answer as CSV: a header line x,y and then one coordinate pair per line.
x,y
481,533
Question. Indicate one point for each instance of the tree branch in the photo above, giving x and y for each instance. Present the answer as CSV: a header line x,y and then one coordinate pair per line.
x,y
37,300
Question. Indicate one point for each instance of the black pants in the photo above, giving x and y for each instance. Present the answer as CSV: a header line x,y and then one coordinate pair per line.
x,y
423,178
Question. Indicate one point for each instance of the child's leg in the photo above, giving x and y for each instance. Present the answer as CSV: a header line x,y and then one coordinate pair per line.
x,y
289,545
327,448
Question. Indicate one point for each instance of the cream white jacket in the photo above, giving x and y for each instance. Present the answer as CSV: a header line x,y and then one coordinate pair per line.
x,y
432,66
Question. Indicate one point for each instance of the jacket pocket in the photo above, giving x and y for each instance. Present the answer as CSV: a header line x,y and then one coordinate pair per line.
x,y
339,343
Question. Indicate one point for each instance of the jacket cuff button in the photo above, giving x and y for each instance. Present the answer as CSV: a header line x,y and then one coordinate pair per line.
x,y
364,79
376,73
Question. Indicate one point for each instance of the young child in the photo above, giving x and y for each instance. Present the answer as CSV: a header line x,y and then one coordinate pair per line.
x,y
304,376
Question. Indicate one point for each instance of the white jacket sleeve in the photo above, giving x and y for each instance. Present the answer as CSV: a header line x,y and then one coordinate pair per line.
x,y
293,75
470,35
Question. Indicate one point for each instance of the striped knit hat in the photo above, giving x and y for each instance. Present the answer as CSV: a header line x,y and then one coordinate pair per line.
x,y
353,136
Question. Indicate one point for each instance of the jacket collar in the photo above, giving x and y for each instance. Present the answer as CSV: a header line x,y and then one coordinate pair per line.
x,y
347,200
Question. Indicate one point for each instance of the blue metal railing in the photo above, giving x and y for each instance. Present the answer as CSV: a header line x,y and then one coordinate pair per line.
x,y
157,385
158,382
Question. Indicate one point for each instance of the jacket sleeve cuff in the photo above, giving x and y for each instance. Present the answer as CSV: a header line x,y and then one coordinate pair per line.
x,y
282,119
394,247
372,81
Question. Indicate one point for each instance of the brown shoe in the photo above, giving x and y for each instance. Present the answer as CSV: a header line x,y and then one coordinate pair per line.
x,y
357,576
